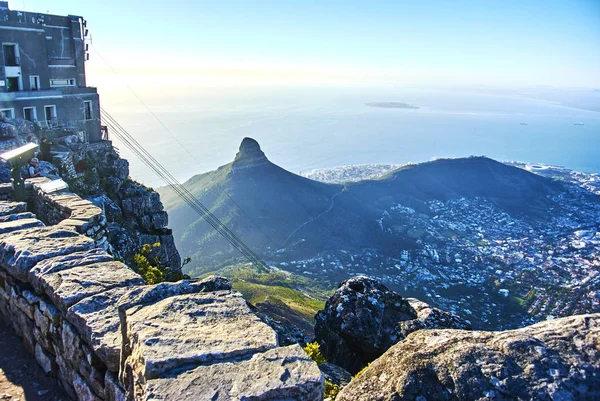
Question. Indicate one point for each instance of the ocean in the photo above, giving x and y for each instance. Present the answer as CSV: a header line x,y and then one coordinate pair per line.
x,y
307,128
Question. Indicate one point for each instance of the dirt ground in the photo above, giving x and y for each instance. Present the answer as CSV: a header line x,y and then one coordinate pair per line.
x,y
21,379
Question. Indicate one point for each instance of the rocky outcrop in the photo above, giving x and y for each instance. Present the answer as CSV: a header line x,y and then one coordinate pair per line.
x,y
134,213
554,360
249,155
363,319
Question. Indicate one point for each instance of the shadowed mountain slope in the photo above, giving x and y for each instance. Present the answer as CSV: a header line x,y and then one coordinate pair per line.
x,y
279,213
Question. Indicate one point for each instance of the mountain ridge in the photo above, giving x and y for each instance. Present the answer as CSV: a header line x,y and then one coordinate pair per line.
x,y
276,211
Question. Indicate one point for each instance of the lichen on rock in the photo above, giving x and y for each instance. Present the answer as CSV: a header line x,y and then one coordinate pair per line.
x,y
553,360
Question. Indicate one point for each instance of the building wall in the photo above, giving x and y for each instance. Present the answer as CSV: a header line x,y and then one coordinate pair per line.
x,y
50,47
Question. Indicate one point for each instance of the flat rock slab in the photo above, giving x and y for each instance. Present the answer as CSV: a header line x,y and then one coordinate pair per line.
x,y
64,262
67,287
97,317
19,224
191,329
17,216
553,360
22,250
284,373
7,208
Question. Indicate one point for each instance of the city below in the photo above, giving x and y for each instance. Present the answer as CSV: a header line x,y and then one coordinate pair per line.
x,y
476,260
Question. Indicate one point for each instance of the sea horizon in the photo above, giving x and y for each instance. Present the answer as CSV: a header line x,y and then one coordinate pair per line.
x,y
306,129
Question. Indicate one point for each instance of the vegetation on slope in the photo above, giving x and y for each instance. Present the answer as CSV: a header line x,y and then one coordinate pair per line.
x,y
285,297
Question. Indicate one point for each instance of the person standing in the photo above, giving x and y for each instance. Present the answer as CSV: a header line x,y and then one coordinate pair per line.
x,y
45,148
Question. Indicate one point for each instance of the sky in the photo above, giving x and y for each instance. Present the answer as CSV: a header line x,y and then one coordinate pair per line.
x,y
491,42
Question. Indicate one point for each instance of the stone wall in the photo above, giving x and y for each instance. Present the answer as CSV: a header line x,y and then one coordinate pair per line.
x,y
66,209
92,323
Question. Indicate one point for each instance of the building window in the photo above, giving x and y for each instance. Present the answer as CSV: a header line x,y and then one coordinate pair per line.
x,y
50,114
12,84
34,82
30,113
11,55
8,113
62,82
87,109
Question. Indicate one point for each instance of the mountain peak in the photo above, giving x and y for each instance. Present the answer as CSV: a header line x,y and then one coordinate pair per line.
x,y
249,155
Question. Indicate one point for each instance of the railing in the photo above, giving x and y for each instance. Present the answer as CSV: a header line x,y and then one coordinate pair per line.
x,y
104,132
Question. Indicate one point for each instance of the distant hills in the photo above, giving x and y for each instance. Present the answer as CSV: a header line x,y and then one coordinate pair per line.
x,y
287,217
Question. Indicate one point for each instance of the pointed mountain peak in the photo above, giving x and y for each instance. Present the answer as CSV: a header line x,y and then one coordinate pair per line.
x,y
249,155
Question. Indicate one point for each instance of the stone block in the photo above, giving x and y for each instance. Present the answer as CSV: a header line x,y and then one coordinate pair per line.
x,y
64,262
17,216
45,360
21,303
8,208
67,287
284,373
19,224
97,317
189,329
83,390
22,250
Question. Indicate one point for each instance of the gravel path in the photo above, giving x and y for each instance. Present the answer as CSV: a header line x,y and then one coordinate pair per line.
x,y
21,379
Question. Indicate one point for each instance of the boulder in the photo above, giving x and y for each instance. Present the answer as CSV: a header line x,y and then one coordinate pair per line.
x,y
284,373
7,130
554,360
360,322
429,317
21,250
139,201
335,374
364,318
112,211
97,317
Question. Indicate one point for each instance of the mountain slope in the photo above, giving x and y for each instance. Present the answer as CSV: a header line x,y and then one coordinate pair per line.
x,y
279,213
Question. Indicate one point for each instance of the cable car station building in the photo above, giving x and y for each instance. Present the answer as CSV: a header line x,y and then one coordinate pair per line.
x,y
42,72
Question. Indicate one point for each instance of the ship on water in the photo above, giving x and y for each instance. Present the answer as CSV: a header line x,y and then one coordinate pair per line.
x,y
578,124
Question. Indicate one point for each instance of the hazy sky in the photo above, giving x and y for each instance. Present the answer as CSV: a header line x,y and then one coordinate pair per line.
x,y
548,42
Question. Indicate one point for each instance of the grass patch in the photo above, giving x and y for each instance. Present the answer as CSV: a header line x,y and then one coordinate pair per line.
x,y
255,293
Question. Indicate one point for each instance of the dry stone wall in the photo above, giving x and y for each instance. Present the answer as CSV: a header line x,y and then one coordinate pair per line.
x,y
92,323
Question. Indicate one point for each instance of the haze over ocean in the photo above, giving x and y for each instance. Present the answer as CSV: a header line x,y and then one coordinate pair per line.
x,y
308,128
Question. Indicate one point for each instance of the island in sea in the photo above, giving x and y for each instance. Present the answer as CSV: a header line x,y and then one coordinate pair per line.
x,y
392,105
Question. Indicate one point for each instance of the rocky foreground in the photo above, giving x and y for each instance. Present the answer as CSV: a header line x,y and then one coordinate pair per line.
x,y
557,360
364,318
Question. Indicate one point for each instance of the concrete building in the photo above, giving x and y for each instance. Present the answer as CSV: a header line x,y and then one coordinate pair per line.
x,y
42,72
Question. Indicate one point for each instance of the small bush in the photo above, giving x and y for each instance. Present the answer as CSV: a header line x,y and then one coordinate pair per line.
x,y
331,390
143,261
313,350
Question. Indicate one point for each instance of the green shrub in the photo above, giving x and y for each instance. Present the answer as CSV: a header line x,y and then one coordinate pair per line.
x,y
331,390
144,265
313,350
